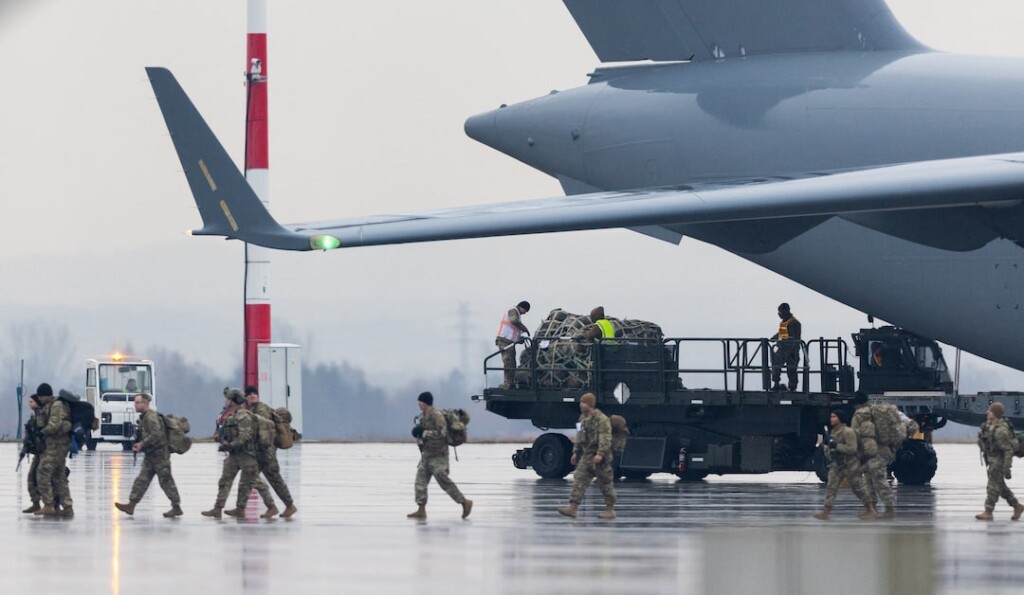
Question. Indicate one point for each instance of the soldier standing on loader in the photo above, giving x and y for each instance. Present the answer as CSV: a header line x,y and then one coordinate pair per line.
x,y
432,435
998,443
509,332
157,460
266,458
844,465
238,440
54,423
592,456
875,456
787,349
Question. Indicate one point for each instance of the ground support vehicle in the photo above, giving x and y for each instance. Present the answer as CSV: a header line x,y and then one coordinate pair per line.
x,y
739,426
110,386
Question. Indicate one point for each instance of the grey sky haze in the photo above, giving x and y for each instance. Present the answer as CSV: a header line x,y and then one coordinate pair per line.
x,y
367,103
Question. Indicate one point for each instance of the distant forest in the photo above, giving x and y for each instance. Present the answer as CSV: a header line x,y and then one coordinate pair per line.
x,y
339,401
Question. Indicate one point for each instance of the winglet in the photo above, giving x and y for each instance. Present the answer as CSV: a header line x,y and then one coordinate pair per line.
x,y
226,202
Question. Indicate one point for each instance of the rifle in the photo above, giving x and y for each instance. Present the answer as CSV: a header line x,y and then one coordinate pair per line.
x,y
136,438
28,442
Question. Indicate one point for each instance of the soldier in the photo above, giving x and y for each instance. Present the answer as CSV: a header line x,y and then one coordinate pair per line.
x,y
152,442
237,438
509,332
54,423
844,465
592,456
620,433
787,349
602,328
874,457
432,436
996,442
32,445
266,458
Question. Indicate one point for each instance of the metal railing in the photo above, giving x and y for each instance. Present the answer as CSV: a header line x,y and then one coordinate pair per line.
x,y
744,364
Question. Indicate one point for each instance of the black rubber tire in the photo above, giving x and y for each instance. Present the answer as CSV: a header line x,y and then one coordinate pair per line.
x,y
915,463
90,444
819,464
550,456
635,475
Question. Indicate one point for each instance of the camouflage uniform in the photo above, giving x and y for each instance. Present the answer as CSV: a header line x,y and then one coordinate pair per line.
x,y
845,465
508,352
593,438
434,458
994,441
266,457
874,458
157,459
54,422
238,439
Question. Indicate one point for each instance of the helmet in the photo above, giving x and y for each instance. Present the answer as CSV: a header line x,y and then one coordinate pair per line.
x,y
236,395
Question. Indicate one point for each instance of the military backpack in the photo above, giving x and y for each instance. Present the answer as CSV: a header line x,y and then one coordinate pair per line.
x,y
456,421
177,429
285,435
1015,441
889,428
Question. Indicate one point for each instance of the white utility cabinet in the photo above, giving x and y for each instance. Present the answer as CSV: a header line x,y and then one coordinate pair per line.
x,y
280,374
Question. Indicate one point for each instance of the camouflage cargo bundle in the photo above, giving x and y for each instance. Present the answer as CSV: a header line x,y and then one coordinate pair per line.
x,y
563,359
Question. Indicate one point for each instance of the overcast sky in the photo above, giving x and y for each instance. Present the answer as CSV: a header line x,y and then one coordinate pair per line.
x,y
367,103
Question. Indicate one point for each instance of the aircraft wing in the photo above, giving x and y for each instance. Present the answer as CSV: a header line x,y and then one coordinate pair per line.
x,y
707,30
230,208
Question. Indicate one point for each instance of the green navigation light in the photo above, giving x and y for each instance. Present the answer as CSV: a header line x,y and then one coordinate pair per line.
x,y
324,242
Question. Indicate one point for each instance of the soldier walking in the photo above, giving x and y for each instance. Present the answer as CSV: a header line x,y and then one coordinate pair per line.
x,y
510,331
54,423
33,445
787,349
266,458
152,443
592,456
875,457
237,438
432,436
996,442
844,465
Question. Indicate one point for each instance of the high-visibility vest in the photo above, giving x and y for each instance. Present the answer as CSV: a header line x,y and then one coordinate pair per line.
x,y
507,330
784,328
607,329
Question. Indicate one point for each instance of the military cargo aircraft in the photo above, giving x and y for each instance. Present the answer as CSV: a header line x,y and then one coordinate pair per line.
x,y
817,139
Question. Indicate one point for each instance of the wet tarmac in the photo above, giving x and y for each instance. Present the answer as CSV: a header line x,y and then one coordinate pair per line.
x,y
729,535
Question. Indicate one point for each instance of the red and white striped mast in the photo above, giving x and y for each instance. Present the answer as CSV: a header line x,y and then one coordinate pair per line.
x,y
257,172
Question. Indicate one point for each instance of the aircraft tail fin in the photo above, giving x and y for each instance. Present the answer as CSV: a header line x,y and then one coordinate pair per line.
x,y
227,204
668,30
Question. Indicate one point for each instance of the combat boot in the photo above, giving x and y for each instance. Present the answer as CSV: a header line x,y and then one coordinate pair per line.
x,y
214,513
825,513
421,513
174,511
467,506
47,510
67,512
1018,509
608,514
238,512
985,516
869,513
35,506
125,508
271,512
569,511
291,510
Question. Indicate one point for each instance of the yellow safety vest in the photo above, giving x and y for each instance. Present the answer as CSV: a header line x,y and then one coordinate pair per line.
x,y
784,329
607,329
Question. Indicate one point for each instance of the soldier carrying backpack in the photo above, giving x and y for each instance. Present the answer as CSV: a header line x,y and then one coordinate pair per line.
x,y
433,437
875,446
268,423
153,443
